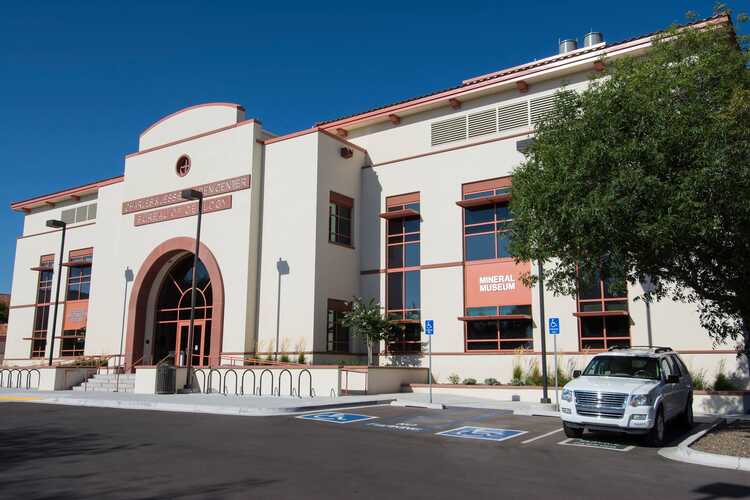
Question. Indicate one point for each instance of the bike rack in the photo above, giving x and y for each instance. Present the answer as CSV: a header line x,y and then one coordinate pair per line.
x,y
18,378
242,380
2,376
202,386
291,382
299,383
260,382
236,381
210,378
38,378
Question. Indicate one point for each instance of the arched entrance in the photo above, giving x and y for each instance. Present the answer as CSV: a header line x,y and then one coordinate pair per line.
x,y
172,328
160,304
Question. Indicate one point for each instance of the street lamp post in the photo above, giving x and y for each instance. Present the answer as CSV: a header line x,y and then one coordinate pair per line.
x,y
192,194
56,224
545,389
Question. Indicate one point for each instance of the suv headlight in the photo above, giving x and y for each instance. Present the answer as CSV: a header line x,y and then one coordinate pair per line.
x,y
640,400
567,395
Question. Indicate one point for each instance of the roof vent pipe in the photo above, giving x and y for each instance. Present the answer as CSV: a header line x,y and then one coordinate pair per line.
x,y
592,38
568,45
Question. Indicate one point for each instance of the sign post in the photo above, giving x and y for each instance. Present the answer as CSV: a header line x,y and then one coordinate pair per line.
x,y
429,330
554,330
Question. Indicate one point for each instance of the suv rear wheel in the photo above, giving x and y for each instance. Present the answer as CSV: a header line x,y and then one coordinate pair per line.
x,y
656,434
572,432
686,419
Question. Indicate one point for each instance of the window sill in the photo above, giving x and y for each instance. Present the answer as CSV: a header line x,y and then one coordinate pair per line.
x,y
344,245
487,200
398,214
498,316
595,314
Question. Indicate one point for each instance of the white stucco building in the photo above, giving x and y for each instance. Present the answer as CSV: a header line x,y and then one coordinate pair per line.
x,y
406,204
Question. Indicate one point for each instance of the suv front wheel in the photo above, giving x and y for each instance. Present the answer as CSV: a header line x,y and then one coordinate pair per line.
x,y
572,432
656,434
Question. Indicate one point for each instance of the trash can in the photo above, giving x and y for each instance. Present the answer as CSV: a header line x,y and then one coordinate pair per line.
x,y
165,379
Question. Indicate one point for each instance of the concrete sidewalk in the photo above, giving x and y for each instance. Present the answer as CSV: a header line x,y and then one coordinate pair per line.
x,y
257,406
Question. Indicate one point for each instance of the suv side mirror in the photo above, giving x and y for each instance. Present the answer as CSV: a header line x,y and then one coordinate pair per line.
x,y
576,373
673,379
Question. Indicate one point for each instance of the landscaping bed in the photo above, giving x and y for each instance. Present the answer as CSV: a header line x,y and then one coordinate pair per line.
x,y
731,439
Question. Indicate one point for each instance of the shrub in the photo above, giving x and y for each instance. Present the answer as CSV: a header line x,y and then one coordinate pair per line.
x,y
491,381
562,378
699,379
517,378
284,358
301,358
723,383
469,381
300,348
454,379
533,375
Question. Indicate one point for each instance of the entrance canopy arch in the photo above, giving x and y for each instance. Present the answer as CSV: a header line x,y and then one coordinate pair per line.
x,y
146,279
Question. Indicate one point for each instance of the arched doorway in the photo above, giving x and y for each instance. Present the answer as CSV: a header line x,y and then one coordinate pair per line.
x,y
172,328
146,295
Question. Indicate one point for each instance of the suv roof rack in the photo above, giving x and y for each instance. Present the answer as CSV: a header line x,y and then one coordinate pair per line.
x,y
655,349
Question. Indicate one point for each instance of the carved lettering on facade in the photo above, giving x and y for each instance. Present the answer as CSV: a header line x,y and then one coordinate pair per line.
x,y
174,197
184,210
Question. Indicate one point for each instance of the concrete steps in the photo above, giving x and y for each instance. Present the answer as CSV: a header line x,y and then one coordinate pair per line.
x,y
107,382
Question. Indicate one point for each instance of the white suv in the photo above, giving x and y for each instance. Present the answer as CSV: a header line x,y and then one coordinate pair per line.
x,y
634,390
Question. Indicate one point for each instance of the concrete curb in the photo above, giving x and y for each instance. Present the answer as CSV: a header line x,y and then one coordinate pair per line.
x,y
683,453
207,409
405,403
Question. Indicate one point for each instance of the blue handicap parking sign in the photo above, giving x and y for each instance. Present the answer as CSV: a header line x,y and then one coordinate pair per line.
x,y
429,327
554,326
334,417
484,433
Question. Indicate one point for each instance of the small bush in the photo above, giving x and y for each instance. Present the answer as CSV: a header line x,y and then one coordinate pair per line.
x,y
723,383
562,378
469,381
699,379
284,358
491,381
301,358
517,378
533,375
454,379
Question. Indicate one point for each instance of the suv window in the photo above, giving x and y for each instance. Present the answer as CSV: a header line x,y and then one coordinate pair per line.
x,y
624,366
666,368
674,366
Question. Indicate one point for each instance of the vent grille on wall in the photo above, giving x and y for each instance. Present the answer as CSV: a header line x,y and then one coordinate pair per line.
x,y
513,116
482,123
450,130
541,106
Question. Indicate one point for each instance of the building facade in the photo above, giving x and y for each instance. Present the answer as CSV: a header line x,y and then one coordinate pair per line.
x,y
406,204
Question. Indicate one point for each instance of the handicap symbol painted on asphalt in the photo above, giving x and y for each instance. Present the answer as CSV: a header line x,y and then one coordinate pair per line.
x,y
336,417
484,433
602,445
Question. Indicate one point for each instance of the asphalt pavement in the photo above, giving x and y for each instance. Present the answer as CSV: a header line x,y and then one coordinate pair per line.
x,y
50,451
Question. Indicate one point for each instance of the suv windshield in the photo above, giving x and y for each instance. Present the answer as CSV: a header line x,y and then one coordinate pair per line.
x,y
623,366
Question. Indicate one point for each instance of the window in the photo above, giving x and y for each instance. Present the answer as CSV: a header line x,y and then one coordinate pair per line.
x,y
79,214
41,310
73,342
337,335
403,286
499,335
340,210
79,277
603,319
487,219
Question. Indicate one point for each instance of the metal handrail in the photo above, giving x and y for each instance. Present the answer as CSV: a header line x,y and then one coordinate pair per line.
x,y
253,360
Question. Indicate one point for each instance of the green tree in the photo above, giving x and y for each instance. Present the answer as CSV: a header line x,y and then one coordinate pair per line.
x,y
646,174
366,320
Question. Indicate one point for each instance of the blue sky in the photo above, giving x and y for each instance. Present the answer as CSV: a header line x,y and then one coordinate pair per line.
x,y
80,80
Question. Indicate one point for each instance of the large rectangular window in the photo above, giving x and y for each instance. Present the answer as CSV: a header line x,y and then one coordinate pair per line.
x,y
73,340
487,219
603,319
403,287
499,328
337,335
42,306
340,210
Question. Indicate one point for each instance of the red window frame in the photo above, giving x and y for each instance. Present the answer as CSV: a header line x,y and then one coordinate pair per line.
x,y
409,341
605,309
41,307
498,337
337,335
496,193
340,208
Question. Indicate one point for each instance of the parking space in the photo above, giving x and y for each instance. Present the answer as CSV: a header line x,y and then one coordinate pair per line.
x,y
482,427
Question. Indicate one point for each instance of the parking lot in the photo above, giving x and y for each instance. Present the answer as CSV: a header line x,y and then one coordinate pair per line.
x,y
50,451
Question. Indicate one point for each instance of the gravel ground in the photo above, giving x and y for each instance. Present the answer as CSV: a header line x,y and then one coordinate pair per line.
x,y
728,439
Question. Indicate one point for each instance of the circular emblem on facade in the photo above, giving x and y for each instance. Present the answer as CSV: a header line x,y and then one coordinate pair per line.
x,y
183,166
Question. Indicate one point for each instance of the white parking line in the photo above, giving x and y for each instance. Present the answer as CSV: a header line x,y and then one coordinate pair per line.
x,y
542,436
